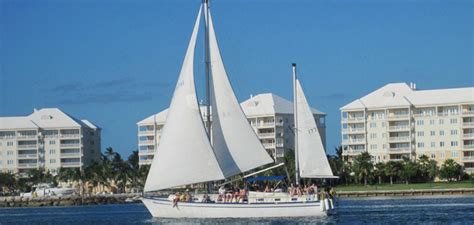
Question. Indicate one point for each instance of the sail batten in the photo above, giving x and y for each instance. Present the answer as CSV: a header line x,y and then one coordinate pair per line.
x,y
235,143
312,158
184,155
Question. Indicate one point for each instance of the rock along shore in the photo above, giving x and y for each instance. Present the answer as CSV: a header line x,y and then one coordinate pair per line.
x,y
18,201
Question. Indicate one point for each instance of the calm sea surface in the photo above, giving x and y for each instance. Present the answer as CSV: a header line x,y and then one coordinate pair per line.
x,y
418,210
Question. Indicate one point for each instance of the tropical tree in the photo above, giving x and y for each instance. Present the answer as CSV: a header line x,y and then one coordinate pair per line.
x,y
379,171
392,169
7,182
409,170
451,170
428,168
363,166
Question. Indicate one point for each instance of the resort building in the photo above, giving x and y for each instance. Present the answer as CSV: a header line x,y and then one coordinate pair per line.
x,y
399,121
47,139
270,116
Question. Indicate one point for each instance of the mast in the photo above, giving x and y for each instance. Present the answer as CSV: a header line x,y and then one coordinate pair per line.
x,y
208,77
295,118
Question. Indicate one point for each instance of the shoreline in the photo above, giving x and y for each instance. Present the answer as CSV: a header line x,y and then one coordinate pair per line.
x,y
406,193
71,200
76,200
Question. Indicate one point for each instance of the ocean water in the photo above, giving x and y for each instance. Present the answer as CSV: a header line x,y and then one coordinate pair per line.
x,y
416,210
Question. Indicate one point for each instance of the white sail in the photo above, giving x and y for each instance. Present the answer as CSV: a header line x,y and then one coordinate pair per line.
x,y
185,155
235,143
312,158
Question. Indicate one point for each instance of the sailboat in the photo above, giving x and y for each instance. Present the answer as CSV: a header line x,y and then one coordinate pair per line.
x,y
188,154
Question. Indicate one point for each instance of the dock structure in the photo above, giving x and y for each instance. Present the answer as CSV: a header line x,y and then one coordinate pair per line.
x,y
395,193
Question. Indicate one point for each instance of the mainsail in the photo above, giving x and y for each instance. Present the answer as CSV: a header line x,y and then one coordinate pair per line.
x,y
312,158
185,155
235,144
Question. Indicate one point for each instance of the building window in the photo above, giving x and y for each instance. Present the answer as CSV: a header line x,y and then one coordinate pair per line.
x,y
419,122
441,144
432,133
373,135
52,151
384,146
10,162
432,122
433,144
383,135
10,143
441,121
420,133
91,133
441,133
52,161
454,121
52,142
433,155
92,142
421,145
454,154
441,155
9,152
373,147
383,124
454,143
454,132
373,125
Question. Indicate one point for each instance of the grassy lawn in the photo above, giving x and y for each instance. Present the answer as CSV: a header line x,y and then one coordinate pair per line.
x,y
388,187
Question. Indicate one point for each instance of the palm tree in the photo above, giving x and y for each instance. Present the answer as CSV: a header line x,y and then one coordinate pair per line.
x,y
392,168
451,170
110,153
379,171
409,170
7,181
363,166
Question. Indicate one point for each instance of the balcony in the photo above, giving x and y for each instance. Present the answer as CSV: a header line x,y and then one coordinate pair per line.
x,y
67,145
146,142
399,117
353,119
146,152
468,136
399,139
70,136
468,124
27,165
468,158
23,137
145,161
71,154
280,145
399,149
268,145
146,132
468,113
266,124
354,130
354,141
27,156
70,164
267,135
399,128
27,146
353,152
469,146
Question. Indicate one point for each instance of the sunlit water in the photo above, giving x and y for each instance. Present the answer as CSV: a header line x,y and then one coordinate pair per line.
x,y
417,210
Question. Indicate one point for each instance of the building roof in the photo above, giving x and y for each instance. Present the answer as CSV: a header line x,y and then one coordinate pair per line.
x,y
43,118
402,95
269,104
262,104
16,122
90,124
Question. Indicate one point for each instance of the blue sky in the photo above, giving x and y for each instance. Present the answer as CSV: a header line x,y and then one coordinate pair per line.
x,y
116,62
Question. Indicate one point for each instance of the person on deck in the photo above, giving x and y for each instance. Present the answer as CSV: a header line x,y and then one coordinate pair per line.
x,y
176,199
221,194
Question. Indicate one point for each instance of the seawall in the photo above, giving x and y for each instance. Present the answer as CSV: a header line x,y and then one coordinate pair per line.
x,y
414,192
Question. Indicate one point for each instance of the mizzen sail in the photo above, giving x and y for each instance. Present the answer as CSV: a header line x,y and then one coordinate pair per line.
x,y
185,155
235,143
312,158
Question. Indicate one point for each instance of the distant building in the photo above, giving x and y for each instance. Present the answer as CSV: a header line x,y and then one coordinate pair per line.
x,y
399,121
47,139
270,116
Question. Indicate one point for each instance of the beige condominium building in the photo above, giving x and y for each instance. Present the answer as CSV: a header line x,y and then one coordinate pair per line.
x,y
399,121
270,116
47,139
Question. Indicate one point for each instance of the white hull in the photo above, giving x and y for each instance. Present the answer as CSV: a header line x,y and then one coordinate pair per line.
x,y
163,208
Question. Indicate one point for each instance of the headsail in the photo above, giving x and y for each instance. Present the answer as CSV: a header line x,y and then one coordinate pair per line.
x,y
184,155
312,158
235,143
